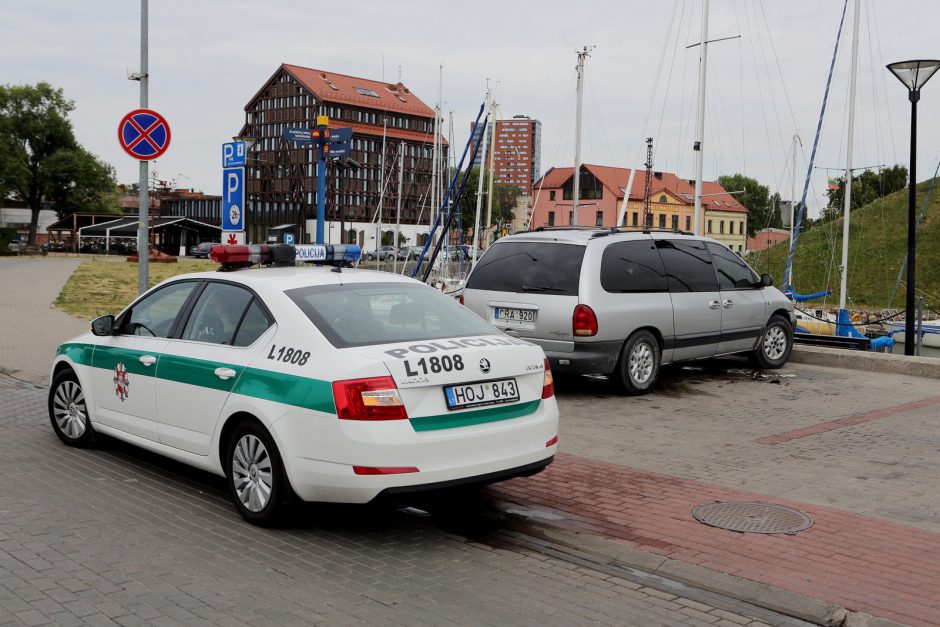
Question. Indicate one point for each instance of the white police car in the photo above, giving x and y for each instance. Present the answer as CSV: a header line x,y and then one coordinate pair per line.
x,y
328,385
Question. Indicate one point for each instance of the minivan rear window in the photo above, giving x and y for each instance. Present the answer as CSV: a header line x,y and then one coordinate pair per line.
x,y
533,267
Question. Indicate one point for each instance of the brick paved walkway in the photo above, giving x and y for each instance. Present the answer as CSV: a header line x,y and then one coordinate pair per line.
x,y
30,329
116,536
861,563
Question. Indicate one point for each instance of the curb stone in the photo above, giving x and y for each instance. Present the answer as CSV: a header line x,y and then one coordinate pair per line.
x,y
762,595
867,361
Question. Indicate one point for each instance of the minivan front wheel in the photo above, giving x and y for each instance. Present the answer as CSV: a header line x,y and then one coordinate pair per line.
x,y
775,343
639,364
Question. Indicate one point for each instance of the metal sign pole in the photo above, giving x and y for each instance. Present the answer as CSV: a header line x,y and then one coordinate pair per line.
x,y
143,247
323,143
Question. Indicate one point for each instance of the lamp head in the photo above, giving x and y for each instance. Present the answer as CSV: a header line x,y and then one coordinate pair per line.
x,y
914,73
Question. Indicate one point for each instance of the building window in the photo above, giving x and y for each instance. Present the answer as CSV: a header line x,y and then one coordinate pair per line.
x,y
636,218
571,218
709,226
551,218
649,219
663,199
662,220
688,223
599,218
551,195
675,222
721,226
741,228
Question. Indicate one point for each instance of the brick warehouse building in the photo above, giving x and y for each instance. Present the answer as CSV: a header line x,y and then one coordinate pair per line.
x,y
281,176
518,156
671,202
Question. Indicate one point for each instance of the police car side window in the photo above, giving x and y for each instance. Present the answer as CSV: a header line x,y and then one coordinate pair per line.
x,y
253,325
154,315
217,313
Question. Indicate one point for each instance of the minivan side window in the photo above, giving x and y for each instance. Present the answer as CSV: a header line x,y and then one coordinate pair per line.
x,y
688,265
633,266
733,273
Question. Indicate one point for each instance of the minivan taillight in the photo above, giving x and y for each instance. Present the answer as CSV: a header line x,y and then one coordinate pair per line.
x,y
375,398
584,322
548,382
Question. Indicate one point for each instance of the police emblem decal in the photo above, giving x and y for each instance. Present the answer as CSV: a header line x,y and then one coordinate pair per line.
x,y
121,383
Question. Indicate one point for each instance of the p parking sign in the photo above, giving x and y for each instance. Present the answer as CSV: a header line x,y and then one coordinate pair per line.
x,y
233,199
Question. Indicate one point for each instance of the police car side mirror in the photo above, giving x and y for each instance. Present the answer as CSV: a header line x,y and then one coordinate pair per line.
x,y
766,280
103,325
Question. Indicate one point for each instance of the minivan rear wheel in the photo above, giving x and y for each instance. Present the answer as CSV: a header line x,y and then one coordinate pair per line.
x,y
638,366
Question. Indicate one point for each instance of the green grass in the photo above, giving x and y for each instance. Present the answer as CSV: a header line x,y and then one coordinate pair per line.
x,y
106,287
877,245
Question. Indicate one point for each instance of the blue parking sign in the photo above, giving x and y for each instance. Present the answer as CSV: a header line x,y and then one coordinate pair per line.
x,y
233,199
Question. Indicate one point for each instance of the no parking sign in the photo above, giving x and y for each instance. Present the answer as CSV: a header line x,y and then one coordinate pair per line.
x,y
144,134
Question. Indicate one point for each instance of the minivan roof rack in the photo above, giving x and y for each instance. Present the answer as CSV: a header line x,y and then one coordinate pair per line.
x,y
601,231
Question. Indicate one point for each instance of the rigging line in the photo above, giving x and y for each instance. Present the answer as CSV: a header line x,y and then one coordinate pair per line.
x,y
822,115
760,91
600,119
672,64
770,85
682,118
783,82
737,22
723,110
566,112
881,64
920,219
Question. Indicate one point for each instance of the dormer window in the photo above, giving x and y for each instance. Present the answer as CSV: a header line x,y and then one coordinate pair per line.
x,y
362,91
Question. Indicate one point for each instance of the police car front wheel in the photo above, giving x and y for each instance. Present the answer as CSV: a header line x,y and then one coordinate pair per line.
x,y
68,411
256,475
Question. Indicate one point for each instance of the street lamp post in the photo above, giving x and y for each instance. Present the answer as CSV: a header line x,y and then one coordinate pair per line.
x,y
914,74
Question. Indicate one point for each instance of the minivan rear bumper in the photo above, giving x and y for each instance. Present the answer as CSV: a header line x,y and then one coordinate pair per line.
x,y
587,358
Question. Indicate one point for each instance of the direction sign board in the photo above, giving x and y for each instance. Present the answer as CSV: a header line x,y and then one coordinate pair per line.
x,y
144,134
233,199
234,154
339,150
340,135
297,135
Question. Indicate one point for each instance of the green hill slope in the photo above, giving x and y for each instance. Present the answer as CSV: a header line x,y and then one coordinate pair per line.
x,y
877,245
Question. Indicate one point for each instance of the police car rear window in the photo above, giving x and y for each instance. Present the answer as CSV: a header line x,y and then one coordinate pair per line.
x,y
364,314
543,267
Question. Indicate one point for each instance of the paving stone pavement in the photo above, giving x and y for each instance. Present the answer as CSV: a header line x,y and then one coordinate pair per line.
x,y
30,329
712,422
113,535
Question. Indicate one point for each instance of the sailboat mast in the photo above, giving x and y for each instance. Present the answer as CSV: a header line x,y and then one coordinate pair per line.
x,y
476,218
577,134
487,234
436,150
844,268
700,123
796,141
401,182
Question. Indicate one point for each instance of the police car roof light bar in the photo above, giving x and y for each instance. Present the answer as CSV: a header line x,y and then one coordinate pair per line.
x,y
243,256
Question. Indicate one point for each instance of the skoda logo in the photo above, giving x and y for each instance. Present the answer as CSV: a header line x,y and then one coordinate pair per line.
x,y
485,365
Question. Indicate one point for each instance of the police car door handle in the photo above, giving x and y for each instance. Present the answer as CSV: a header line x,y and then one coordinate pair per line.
x,y
148,360
728,303
714,304
225,373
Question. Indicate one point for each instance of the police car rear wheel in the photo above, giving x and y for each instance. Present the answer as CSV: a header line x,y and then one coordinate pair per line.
x,y
256,475
68,411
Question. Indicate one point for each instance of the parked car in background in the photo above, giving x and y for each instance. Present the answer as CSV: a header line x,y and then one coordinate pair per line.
x,y
384,253
624,303
201,250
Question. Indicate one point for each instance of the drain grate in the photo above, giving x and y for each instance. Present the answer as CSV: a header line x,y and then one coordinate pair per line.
x,y
752,517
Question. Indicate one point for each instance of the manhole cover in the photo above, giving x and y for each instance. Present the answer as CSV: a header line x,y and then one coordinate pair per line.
x,y
752,517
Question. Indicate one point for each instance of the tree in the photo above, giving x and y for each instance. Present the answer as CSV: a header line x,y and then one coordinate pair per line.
x,y
40,159
761,212
504,202
867,187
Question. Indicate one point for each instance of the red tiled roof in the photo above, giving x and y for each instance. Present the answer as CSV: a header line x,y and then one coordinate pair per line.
x,y
615,179
390,97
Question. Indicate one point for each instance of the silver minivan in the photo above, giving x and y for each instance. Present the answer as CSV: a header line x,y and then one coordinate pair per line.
x,y
622,303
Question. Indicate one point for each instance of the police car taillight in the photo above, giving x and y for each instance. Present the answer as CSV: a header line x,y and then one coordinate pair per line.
x,y
375,398
548,382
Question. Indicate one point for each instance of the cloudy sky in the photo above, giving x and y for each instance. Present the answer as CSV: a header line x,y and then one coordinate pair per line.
x,y
208,58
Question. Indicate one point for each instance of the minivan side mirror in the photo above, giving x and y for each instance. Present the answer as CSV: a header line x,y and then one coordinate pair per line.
x,y
766,280
103,325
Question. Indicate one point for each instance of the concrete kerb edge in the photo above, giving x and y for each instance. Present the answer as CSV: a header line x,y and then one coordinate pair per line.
x,y
762,595
928,367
